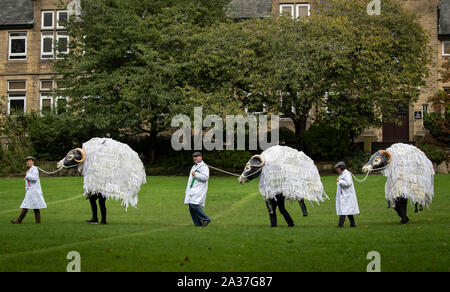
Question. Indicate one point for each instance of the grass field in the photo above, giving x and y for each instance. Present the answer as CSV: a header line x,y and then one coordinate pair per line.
x,y
160,236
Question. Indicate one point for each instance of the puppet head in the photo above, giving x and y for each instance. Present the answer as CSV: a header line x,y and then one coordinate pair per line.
x,y
378,160
252,169
73,157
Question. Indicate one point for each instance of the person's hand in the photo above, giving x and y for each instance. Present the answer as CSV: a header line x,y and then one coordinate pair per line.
x,y
337,180
193,172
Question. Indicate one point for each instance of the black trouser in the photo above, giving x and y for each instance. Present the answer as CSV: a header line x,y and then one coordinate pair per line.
x,y
272,205
303,207
101,203
400,206
342,220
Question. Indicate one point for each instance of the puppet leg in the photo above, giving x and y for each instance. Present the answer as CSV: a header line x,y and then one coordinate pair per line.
x,y
102,204
22,215
403,206
93,201
397,207
271,208
283,211
303,207
37,215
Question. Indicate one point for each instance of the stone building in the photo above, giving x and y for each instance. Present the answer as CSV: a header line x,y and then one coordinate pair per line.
x,y
434,16
30,29
29,33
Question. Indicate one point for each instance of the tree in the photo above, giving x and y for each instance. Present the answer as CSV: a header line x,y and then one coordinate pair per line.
x,y
386,63
438,122
127,63
339,65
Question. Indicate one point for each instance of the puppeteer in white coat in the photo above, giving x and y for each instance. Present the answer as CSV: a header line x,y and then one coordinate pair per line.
x,y
34,198
196,190
346,202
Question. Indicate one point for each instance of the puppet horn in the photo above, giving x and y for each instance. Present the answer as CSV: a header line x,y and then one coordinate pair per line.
x,y
83,155
260,158
389,156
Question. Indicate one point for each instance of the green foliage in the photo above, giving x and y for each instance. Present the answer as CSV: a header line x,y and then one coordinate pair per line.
x,y
433,152
323,142
356,160
128,59
51,136
438,125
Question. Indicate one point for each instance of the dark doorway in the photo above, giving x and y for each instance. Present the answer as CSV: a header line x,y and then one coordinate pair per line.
x,y
397,131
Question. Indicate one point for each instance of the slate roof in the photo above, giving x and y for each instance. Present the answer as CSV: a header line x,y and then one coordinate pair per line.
x,y
16,14
249,8
444,19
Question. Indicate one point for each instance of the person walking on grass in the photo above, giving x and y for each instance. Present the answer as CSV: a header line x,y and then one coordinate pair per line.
x,y
34,198
346,202
196,190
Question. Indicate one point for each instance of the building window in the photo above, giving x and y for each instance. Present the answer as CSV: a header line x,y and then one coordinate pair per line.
x,y
61,104
287,10
302,10
47,20
61,19
46,85
47,45
46,104
62,39
17,85
17,46
16,103
446,48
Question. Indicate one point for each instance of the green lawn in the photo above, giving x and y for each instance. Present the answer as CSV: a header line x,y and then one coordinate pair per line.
x,y
159,234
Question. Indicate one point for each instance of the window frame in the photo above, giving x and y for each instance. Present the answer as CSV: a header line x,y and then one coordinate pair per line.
x,y
56,102
443,48
21,97
46,35
42,96
11,38
288,5
57,18
297,6
17,90
61,35
45,89
42,19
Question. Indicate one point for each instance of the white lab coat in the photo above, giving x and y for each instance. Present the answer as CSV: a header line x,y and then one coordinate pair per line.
x,y
197,193
34,198
346,202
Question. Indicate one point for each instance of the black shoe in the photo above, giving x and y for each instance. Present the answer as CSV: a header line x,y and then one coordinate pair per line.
x,y
205,223
92,221
291,225
404,222
103,222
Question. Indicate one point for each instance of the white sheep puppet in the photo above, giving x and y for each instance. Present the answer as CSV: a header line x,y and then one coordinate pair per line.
x,y
410,175
109,168
285,173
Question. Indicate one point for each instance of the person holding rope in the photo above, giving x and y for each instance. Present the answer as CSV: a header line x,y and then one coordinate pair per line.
x,y
34,198
346,202
196,190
